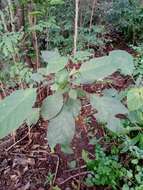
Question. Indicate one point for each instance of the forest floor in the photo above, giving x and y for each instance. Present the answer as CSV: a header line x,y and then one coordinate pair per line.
x,y
26,160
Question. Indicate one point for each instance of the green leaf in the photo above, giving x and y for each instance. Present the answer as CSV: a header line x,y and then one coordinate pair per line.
x,y
81,56
100,68
108,108
37,77
61,129
123,60
111,92
81,93
33,117
125,187
95,69
136,116
61,77
135,99
114,124
42,71
85,156
49,55
56,64
15,109
56,2
51,106
73,106
73,94
135,161
66,149
56,188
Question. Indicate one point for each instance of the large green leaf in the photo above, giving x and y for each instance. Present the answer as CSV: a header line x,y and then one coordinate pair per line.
x,y
108,108
135,99
95,69
73,106
81,56
56,64
54,60
123,61
114,124
100,68
61,77
33,117
51,106
15,109
61,129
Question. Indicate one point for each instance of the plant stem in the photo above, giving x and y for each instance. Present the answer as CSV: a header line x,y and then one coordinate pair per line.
x,y
76,26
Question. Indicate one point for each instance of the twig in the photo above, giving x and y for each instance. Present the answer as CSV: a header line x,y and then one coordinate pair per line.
x,y
57,167
74,169
17,142
74,176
